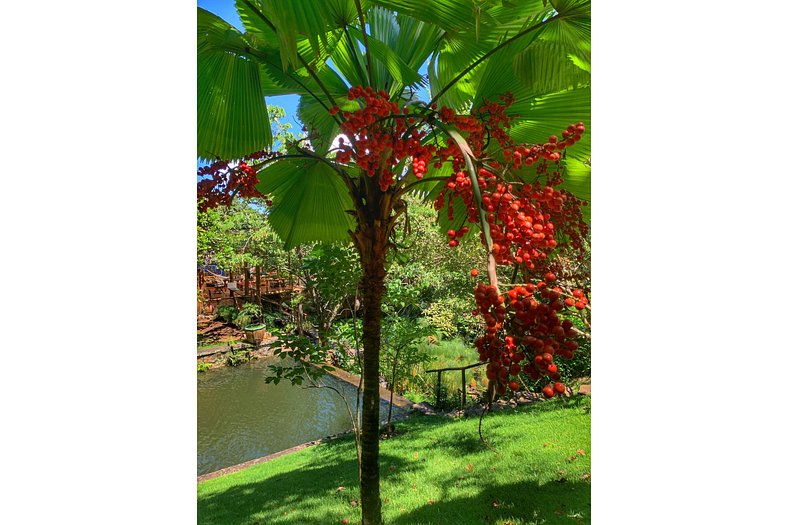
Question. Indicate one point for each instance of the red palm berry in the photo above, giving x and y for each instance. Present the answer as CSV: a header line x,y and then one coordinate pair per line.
x,y
548,391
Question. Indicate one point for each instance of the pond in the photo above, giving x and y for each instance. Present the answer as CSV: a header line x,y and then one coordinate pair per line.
x,y
240,417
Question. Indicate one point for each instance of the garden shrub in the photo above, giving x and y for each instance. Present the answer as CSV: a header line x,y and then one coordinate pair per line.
x,y
249,314
452,317
227,313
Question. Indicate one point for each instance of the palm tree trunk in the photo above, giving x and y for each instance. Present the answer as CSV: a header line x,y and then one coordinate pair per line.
x,y
372,290
372,241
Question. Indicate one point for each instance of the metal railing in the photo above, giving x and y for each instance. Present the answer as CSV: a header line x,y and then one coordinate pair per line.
x,y
441,370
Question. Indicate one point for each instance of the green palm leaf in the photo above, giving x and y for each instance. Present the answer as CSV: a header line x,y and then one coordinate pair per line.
x,y
389,65
549,115
346,57
309,201
323,128
232,119
546,67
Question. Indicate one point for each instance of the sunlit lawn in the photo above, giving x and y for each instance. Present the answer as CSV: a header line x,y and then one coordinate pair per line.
x,y
436,471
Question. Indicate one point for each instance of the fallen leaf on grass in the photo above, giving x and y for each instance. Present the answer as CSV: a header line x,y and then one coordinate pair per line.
x,y
469,467
430,501
586,476
354,504
495,504
581,452
571,458
345,521
340,489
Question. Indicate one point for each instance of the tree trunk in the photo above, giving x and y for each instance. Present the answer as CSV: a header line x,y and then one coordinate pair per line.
x,y
371,241
372,290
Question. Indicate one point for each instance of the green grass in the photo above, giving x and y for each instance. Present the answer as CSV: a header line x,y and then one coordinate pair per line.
x,y
435,471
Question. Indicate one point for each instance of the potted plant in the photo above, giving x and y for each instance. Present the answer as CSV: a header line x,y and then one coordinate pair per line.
x,y
249,319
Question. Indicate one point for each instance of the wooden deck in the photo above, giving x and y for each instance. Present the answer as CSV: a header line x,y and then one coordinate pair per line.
x,y
215,290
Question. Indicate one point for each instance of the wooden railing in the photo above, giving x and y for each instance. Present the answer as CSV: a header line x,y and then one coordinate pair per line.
x,y
441,370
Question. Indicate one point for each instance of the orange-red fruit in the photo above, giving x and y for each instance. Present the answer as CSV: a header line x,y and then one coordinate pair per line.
x,y
548,391
474,272
549,276
560,388
513,385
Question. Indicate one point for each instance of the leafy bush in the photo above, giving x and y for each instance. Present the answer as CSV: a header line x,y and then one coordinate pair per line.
x,y
452,317
298,352
344,339
250,314
227,313
400,349
203,367
237,357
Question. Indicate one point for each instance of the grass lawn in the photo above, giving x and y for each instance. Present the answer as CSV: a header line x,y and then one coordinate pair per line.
x,y
435,471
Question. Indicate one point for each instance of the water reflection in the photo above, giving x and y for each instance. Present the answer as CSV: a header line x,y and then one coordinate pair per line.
x,y
240,417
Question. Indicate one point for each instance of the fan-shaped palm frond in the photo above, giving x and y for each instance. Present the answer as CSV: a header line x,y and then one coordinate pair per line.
x,y
310,201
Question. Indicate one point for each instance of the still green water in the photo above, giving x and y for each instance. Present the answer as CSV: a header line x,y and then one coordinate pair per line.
x,y
240,417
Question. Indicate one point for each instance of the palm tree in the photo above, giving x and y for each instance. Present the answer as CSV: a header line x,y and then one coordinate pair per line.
x,y
472,50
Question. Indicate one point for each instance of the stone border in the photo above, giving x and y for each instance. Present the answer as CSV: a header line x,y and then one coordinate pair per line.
x,y
398,400
343,375
221,349
265,459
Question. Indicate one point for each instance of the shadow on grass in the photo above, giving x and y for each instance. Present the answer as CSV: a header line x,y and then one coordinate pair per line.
x,y
554,503
306,492
306,496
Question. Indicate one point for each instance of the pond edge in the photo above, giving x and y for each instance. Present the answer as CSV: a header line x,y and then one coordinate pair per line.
x,y
343,375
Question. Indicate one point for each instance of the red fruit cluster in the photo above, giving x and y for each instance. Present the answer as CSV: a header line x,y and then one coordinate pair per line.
x,y
527,155
381,136
578,300
528,221
456,235
222,183
534,332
